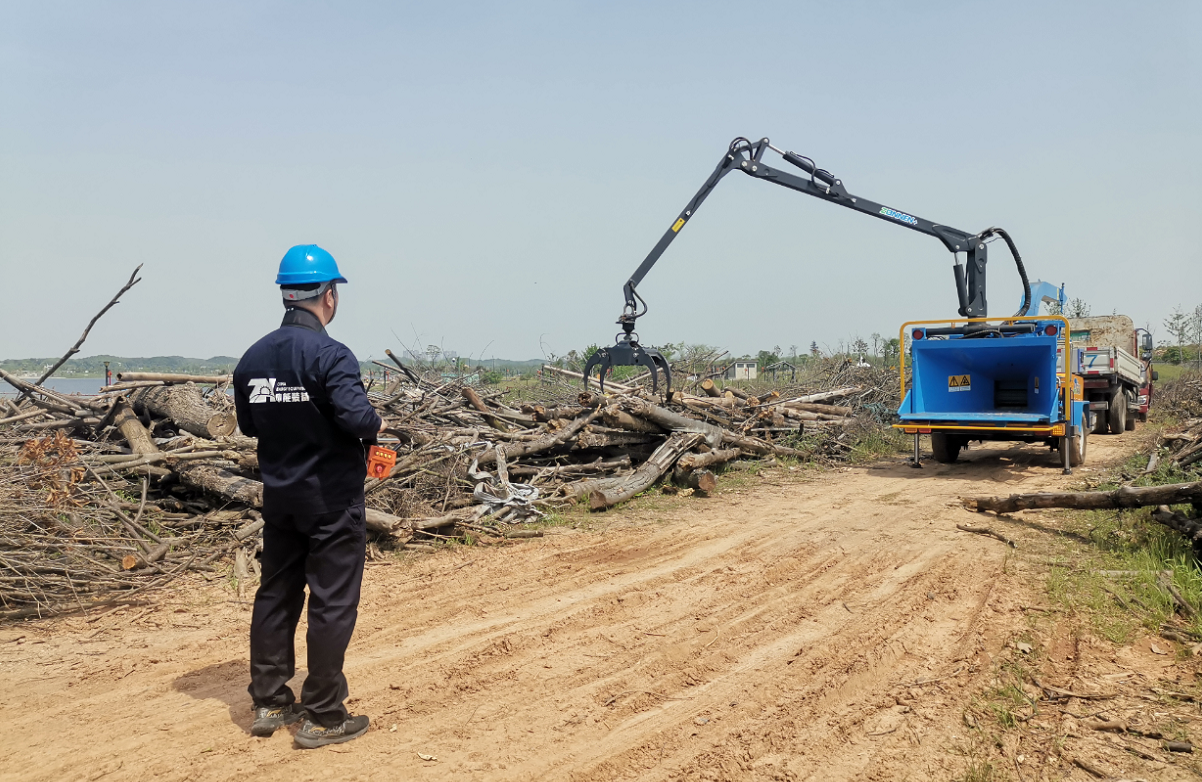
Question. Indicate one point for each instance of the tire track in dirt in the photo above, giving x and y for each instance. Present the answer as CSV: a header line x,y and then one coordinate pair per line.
x,y
780,632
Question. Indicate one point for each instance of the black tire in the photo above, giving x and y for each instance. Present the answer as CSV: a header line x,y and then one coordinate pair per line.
x,y
945,447
1079,446
1130,424
1116,416
1100,424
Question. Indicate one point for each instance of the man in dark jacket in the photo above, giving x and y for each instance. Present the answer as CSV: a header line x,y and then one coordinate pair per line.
x,y
300,392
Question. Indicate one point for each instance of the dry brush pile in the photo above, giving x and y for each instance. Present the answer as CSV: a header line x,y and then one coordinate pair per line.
x,y
105,496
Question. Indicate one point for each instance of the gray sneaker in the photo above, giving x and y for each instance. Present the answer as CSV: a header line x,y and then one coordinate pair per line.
x,y
269,719
312,734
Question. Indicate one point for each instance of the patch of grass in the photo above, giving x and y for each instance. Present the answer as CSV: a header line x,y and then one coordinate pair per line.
x,y
876,443
983,771
1119,580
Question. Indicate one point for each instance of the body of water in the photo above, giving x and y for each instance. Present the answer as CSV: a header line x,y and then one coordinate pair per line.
x,y
63,385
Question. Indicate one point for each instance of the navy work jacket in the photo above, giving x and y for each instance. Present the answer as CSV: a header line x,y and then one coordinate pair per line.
x,y
299,391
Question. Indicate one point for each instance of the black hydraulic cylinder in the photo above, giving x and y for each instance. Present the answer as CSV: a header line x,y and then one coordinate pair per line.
x,y
961,288
807,165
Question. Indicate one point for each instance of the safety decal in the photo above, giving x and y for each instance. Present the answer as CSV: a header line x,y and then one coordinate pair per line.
x,y
678,225
905,218
959,383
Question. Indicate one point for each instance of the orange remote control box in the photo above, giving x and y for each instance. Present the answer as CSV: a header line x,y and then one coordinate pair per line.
x,y
380,461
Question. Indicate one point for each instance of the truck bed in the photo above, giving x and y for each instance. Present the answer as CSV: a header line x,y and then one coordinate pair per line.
x,y
1102,362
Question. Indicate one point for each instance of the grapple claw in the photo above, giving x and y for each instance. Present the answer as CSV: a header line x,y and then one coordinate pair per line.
x,y
600,358
627,352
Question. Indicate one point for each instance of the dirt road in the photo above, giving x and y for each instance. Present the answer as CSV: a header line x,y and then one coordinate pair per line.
x,y
830,627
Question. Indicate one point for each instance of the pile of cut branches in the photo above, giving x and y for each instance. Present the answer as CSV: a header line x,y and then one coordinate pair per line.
x,y
103,496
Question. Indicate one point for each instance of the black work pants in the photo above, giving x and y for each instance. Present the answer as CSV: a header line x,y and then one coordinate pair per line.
x,y
325,552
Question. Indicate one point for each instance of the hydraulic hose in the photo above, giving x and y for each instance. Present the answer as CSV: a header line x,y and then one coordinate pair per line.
x,y
1018,261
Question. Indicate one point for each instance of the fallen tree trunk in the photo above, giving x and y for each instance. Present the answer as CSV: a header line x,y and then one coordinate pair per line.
x,y
710,388
648,473
379,521
812,407
697,461
172,377
222,483
675,422
824,395
624,420
187,409
136,436
1124,497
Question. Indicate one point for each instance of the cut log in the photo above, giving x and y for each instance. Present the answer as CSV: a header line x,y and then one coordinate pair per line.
x,y
648,473
172,377
701,481
710,388
697,461
1123,497
676,422
810,407
184,406
379,521
615,416
222,482
824,395
615,439
136,436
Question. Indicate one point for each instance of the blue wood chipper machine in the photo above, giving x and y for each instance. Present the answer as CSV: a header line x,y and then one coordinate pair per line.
x,y
993,379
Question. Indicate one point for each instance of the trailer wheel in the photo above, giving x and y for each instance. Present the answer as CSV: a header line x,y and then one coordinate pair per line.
x,y
1129,424
1100,423
1117,414
945,447
1078,445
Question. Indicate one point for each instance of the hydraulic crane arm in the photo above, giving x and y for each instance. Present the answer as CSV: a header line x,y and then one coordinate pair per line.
x,y
747,156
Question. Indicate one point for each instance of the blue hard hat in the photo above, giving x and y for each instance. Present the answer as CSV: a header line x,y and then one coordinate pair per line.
x,y
307,263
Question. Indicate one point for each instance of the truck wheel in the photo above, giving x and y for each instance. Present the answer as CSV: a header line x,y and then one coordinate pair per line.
x,y
945,447
1130,422
1077,447
1099,422
1117,414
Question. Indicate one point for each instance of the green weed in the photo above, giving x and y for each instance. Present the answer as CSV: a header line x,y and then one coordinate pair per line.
x,y
877,443
983,771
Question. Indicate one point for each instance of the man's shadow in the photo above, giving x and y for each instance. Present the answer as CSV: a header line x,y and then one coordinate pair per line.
x,y
225,682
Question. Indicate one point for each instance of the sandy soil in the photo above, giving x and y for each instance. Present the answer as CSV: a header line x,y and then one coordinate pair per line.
x,y
825,627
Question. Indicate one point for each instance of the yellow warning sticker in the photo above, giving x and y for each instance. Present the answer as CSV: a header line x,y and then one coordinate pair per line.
x,y
959,383
678,225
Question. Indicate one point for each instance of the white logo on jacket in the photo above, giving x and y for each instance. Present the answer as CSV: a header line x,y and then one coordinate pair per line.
x,y
262,389
265,389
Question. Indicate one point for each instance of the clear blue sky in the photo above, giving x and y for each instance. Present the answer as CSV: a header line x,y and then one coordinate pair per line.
x,y
489,174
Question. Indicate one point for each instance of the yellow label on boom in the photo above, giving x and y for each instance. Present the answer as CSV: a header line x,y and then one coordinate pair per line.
x,y
959,383
678,225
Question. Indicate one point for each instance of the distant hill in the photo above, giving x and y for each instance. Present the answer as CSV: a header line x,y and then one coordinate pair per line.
x,y
93,366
